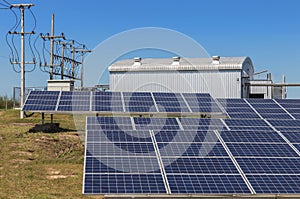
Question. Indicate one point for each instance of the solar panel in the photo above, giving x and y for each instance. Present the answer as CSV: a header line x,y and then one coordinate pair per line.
x,y
170,102
201,103
205,165
251,136
270,165
269,109
275,184
123,183
238,108
201,124
208,184
143,123
41,101
139,102
293,136
119,161
107,102
261,150
74,101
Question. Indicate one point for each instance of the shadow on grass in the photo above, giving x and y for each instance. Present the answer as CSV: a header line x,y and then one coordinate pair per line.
x,y
49,128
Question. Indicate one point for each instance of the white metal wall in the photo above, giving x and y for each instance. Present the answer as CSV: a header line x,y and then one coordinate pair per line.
x,y
220,84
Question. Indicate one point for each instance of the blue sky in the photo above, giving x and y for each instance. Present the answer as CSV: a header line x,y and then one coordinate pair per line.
x,y
266,31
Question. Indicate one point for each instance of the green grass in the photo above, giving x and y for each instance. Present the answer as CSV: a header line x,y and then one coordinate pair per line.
x,y
39,165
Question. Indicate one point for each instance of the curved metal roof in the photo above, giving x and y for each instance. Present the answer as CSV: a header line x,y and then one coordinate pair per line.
x,y
185,64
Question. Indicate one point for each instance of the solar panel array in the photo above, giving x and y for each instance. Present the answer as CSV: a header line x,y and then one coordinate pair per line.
x,y
140,102
256,150
190,157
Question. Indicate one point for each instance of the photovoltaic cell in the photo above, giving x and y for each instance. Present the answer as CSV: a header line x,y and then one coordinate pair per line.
x,y
41,101
261,150
170,102
74,101
206,184
201,103
138,102
123,183
251,136
107,102
275,184
269,165
199,165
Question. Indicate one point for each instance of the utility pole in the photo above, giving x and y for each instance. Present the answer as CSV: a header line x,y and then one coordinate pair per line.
x,y
51,38
82,51
22,62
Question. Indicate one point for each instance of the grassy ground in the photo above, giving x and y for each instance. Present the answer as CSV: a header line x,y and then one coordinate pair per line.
x,y
39,165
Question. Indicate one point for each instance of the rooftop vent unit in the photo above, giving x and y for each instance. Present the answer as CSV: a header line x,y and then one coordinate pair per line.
x,y
216,59
176,60
137,61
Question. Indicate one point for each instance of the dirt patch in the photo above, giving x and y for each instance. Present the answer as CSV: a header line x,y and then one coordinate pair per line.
x,y
68,136
25,153
22,124
56,174
20,161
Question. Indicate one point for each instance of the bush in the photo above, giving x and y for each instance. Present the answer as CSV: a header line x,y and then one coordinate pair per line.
x,y
5,100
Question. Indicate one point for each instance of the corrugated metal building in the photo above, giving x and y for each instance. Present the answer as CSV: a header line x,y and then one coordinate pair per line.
x,y
222,77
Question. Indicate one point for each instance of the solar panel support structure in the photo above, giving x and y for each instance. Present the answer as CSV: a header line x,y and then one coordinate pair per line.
x,y
237,166
22,63
155,104
160,162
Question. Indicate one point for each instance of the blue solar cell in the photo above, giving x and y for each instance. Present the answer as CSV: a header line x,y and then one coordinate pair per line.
x,y
297,146
271,111
241,123
293,111
138,102
250,128
41,101
120,149
199,165
293,137
296,116
288,101
266,106
285,123
74,101
275,184
118,136
288,129
109,123
243,115
262,150
123,183
260,101
170,102
291,106
251,136
269,165
121,165
208,184
276,116
107,101
193,149
239,110
186,136
142,123
231,101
